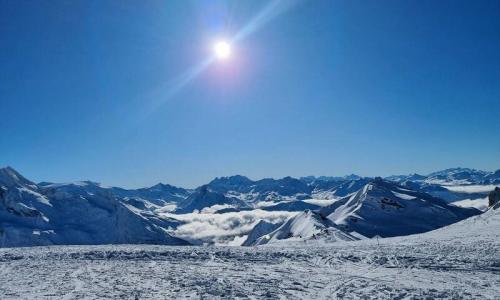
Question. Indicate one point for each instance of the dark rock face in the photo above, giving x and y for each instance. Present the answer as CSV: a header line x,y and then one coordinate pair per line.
x,y
494,198
204,197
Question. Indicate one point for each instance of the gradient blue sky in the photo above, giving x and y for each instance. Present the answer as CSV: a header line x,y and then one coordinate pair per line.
x,y
326,88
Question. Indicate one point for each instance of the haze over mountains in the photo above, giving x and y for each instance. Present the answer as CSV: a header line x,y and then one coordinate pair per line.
x,y
330,208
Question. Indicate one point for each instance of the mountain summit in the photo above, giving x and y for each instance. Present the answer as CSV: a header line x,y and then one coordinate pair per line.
x,y
387,209
10,177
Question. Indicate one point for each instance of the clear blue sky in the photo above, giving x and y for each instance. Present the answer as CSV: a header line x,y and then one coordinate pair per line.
x,y
326,88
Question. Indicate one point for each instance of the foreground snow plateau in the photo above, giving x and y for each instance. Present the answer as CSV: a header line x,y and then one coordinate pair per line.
x,y
459,261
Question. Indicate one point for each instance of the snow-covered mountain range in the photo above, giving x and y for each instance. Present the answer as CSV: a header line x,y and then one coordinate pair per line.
x,y
75,213
453,176
380,208
333,208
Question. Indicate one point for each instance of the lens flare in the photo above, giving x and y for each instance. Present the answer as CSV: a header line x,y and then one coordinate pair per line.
x,y
222,49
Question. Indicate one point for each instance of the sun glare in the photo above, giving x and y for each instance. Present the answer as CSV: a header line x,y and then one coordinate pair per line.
x,y
222,49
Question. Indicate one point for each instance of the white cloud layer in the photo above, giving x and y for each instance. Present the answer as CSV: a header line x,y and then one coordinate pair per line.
x,y
228,228
471,188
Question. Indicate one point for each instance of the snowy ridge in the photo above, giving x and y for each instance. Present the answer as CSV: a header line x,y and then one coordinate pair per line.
x,y
304,226
452,176
260,229
74,214
87,212
380,208
10,177
386,209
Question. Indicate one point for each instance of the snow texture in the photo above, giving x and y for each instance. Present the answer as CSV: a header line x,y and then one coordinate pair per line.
x,y
456,262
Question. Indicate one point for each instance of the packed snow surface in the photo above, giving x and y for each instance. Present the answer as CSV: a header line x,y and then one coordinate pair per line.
x,y
459,261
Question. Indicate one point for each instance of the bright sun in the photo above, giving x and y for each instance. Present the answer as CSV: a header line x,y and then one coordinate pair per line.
x,y
222,49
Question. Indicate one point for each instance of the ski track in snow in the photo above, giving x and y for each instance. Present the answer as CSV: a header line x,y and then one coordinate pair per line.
x,y
398,268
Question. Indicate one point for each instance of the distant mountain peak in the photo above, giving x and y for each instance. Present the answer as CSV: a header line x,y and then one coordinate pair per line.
x,y
385,208
455,170
352,177
312,178
205,197
163,186
10,177
231,180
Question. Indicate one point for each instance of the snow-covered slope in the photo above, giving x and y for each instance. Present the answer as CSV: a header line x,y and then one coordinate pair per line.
x,y
485,226
380,208
159,194
452,185
452,176
304,226
10,177
459,261
457,176
260,229
493,178
80,213
386,209
449,193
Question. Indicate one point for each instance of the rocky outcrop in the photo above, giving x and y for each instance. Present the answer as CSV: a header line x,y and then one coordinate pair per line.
x,y
494,198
